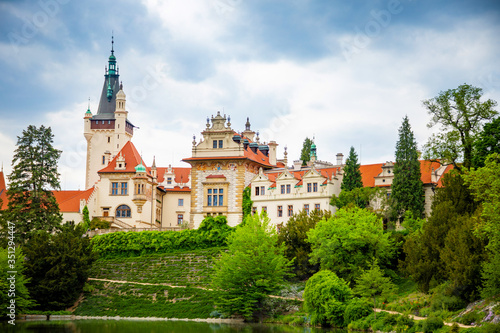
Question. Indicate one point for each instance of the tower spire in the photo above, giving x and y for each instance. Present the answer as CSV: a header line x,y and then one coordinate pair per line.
x,y
112,58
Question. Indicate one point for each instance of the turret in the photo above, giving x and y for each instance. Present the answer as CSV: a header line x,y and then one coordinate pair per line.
x,y
140,184
120,121
248,132
272,152
87,132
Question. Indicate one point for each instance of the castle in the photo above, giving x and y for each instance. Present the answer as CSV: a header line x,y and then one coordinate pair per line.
x,y
121,188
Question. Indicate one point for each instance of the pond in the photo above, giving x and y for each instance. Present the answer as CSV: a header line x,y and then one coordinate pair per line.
x,y
128,326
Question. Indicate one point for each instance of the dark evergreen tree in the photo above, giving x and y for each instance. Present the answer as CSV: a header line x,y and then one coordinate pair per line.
x,y
487,143
352,173
58,266
32,205
305,153
407,190
294,236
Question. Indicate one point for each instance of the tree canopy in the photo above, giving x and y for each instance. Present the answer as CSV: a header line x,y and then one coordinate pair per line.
x,y
294,236
488,142
326,297
253,267
58,266
352,174
407,189
460,112
305,153
31,204
347,242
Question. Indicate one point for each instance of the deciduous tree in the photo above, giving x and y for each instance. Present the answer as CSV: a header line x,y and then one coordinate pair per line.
x,y
347,242
253,267
326,297
247,202
485,184
372,284
407,189
488,142
32,206
294,236
460,112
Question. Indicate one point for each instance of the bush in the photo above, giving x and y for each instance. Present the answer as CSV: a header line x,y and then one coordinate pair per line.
x,y
97,223
356,309
325,298
212,233
447,303
471,317
432,324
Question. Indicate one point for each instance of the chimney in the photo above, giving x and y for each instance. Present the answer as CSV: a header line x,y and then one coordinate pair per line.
x,y
340,157
272,152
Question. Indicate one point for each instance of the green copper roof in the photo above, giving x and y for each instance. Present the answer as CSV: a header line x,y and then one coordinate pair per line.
x,y
140,168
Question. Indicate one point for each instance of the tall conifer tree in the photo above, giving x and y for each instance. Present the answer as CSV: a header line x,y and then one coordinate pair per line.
x,y
352,173
407,187
32,205
305,153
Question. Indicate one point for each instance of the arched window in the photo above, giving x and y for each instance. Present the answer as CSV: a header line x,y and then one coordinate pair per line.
x,y
123,211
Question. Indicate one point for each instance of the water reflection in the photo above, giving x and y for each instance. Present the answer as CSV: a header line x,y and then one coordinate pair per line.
x,y
126,326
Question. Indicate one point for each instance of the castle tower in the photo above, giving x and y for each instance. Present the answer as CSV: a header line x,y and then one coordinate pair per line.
x,y
109,130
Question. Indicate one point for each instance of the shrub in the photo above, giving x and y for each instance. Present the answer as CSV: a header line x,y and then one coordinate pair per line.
x,y
448,303
356,309
432,324
325,298
471,317
97,223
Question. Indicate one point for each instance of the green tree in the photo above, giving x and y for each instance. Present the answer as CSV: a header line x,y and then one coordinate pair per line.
x,y
487,142
294,236
305,153
347,242
32,205
247,202
460,112
58,266
326,297
372,284
86,218
352,174
360,197
407,189
423,249
252,268
485,184
20,294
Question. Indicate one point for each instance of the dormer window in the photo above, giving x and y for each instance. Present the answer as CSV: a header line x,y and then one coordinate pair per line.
x,y
169,180
217,144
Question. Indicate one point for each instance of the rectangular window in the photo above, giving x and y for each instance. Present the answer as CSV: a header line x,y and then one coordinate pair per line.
x,y
254,210
280,211
215,197
209,197
109,139
103,159
220,143
215,200
124,189
290,210
309,187
306,208
282,189
114,188
257,190
215,144
264,209
180,218
315,187
180,202
169,180
317,206
288,189
262,190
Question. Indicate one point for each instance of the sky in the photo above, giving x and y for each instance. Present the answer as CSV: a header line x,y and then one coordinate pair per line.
x,y
343,72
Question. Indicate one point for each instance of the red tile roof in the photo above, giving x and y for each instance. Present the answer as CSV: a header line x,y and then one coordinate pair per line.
x,y
177,189
69,201
369,172
216,176
132,159
181,175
